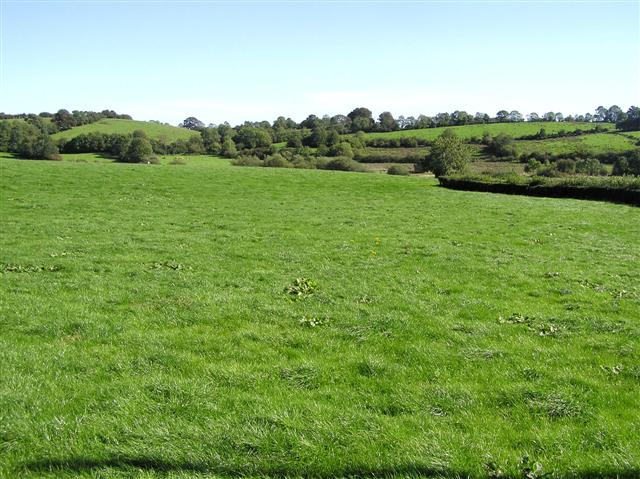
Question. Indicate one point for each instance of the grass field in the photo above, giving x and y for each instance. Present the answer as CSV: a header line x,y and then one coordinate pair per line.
x,y
596,144
471,131
148,326
110,125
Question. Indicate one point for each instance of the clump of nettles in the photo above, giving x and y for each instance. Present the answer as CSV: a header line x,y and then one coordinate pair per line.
x,y
301,288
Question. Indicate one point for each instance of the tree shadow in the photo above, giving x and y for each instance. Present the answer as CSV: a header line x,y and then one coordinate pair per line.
x,y
152,464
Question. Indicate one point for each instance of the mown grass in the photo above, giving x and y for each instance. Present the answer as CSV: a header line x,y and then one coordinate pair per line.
x,y
147,330
598,143
476,131
112,125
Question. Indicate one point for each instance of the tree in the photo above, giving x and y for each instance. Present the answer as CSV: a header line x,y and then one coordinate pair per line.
x,y
210,140
253,137
340,123
549,116
294,139
614,114
515,116
342,149
139,150
559,117
460,117
632,120
481,117
501,145
449,154
533,116
386,122
601,114
502,116
229,148
192,123
63,120
361,119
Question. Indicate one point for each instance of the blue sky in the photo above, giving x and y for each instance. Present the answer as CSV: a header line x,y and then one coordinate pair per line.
x,y
237,61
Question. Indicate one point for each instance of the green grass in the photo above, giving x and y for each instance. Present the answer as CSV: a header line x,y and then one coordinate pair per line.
x,y
145,330
596,144
110,125
471,131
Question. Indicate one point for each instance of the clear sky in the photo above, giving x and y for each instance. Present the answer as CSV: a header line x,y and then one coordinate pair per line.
x,y
256,60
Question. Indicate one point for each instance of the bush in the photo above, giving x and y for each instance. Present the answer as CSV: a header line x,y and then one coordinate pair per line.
x,y
566,166
229,148
138,151
343,164
532,166
341,149
178,160
277,161
448,155
400,170
501,146
589,166
247,161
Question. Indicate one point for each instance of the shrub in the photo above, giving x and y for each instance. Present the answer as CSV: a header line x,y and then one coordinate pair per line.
x,y
342,163
277,161
247,161
589,166
448,155
139,149
229,148
566,165
501,146
532,166
178,160
400,170
341,149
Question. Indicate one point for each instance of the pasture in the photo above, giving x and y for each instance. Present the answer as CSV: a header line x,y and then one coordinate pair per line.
x,y
598,143
111,126
204,320
476,131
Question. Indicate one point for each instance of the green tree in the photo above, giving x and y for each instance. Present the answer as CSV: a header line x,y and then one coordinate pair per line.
x,y
448,155
386,122
139,150
229,148
361,120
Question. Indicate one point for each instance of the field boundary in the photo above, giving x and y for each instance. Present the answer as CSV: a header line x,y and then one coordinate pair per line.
x,y
629,197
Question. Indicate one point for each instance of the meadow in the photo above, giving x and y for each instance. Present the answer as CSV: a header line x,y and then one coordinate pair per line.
x,y
597,143
111,126
204,320
476,131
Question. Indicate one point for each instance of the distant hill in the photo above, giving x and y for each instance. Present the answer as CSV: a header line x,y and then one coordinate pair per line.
x,y
513,129
109,125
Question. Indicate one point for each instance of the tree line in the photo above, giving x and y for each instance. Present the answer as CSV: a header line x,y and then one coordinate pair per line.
x,y
63,119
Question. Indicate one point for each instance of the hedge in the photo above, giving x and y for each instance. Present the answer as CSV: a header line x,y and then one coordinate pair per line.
x,y
614,189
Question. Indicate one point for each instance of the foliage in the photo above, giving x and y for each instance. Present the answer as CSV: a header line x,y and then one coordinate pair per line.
x,y
229,148
448,155
343,163
26,141
399,170
192,123
139,149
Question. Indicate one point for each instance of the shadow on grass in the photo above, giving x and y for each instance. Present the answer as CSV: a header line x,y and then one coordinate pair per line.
x,y
83,464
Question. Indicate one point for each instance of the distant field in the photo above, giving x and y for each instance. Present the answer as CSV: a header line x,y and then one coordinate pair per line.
x,y
154,130
596,144
470,131
148,328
